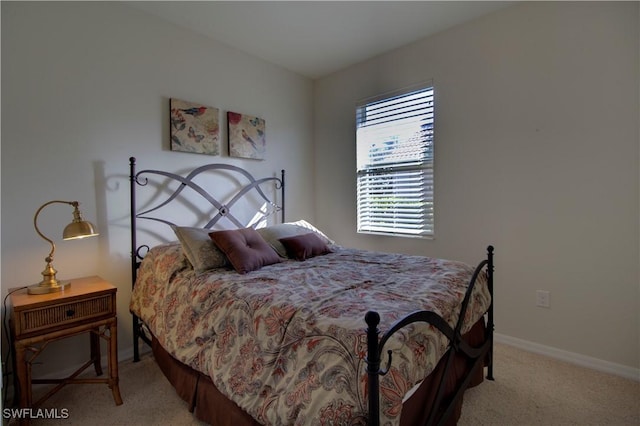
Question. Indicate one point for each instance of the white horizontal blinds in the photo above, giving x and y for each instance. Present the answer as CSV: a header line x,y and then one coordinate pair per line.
x,y
395,164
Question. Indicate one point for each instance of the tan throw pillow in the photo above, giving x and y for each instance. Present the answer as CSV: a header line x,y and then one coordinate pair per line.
x,y
201,252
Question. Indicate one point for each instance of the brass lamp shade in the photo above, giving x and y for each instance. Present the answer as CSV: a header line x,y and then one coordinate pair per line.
x,y
78,228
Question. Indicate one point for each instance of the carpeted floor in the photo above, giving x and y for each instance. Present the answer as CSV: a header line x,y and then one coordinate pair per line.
x,y
529,389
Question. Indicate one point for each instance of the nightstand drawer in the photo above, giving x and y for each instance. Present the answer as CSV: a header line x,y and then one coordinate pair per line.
x,y
87,299
33,320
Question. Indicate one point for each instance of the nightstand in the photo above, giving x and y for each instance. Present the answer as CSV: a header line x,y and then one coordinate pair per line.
x,y
87,306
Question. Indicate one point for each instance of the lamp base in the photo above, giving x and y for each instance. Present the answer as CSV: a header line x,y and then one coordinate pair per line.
x,y
49,288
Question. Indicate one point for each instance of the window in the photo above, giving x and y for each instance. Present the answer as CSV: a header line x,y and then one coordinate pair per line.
x,y
394,139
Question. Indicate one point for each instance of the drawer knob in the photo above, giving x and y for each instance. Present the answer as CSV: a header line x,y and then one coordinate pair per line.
x,y
70,312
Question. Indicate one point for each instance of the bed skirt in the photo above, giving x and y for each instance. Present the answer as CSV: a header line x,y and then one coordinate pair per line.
x,y
211,406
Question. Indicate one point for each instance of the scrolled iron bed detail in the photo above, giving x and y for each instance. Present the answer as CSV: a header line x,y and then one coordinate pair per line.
x,y
479,355
140,178
462,362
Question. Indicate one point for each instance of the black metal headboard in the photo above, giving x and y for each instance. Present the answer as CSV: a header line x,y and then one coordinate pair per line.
x,y
247,184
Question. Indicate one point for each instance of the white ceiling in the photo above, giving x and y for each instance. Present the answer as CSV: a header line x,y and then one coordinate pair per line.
x,y
316,38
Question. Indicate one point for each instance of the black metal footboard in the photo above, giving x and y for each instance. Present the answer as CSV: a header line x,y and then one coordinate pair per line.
x,y
457,345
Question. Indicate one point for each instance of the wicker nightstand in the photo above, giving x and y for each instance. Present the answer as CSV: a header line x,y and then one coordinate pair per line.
x,y
88,306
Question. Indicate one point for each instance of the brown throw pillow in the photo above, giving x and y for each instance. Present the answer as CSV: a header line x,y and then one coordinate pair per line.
x,y
245,249
302,247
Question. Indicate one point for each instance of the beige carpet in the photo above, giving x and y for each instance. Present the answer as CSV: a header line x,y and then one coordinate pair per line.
x,y
529,390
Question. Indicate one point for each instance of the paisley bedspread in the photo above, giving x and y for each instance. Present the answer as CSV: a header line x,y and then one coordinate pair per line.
x,y
287,342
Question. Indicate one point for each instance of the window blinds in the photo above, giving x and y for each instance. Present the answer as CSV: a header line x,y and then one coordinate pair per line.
x,y
394,139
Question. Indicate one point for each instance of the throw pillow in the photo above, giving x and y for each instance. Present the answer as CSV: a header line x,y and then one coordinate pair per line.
x,y
201,252
302,247
245,249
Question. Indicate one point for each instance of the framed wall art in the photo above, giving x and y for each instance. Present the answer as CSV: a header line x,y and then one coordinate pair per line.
x,y
246,136
194,127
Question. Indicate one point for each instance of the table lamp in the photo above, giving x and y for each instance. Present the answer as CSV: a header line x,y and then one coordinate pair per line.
x,y
78,228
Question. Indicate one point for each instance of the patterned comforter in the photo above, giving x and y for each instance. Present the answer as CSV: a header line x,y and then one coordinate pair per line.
x,y
287,342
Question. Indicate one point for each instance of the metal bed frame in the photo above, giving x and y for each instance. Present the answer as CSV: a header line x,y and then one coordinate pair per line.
x,y
478,356
223,208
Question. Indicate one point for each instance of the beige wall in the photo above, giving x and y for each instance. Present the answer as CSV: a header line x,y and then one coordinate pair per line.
x,y
536,152
86,85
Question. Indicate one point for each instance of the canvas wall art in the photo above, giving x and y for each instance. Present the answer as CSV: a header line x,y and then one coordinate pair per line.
x,y
194,128
246,136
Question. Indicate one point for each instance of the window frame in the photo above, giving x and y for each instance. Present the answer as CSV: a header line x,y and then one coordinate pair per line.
x,y
378,177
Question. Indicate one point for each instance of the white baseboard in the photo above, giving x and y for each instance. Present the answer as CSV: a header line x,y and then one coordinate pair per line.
x,y
571,357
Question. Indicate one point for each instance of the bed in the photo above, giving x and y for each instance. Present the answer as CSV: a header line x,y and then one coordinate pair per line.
x,y
262,321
